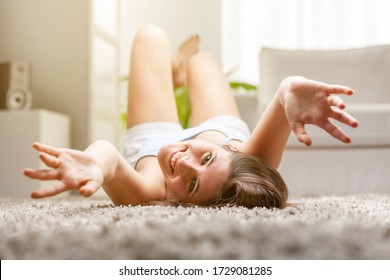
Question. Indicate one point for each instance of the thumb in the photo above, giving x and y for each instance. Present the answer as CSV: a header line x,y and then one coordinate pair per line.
x,y
89,188
300,133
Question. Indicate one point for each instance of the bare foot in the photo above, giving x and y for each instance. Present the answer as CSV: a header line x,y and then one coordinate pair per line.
x,y
181,57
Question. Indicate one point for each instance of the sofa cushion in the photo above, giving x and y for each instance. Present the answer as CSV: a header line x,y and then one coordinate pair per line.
x,y
373,129
366,70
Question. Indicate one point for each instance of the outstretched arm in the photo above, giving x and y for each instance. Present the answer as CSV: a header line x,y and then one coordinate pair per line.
x,y
298,101
86,171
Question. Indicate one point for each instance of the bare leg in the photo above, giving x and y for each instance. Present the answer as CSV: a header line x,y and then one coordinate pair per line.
x,y
150,93
210,93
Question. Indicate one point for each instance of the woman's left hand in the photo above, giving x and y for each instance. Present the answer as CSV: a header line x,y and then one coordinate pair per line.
x,y
311,102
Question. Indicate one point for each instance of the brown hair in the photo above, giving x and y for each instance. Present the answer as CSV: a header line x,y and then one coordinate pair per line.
x,y
252,183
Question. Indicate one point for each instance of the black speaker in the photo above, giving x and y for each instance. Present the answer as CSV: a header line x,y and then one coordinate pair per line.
x,y
15,85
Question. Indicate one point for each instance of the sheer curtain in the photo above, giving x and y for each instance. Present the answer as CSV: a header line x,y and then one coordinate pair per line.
x,y
298,24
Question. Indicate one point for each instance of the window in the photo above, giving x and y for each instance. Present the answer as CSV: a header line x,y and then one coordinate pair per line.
x,y
298,24
104,96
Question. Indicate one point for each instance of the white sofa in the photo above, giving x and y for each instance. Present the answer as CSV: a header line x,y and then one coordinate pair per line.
x,y
330,167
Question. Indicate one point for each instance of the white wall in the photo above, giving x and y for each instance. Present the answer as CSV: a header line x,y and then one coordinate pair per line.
x,y
52,35
179,18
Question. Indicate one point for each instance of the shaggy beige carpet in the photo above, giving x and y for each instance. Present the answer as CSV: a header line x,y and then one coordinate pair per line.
x,y
339,227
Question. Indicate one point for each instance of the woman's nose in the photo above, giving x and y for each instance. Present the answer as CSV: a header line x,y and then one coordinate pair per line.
x,y
187,163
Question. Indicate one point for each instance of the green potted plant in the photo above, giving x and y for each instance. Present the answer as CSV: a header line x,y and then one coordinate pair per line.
x,y
183,101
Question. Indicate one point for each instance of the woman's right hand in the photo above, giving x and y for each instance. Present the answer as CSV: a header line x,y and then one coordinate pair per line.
x,y
72,169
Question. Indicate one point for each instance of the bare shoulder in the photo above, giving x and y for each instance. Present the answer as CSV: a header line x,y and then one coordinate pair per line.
x,y
150,169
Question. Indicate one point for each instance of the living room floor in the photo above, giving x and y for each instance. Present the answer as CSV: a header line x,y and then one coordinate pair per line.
x,y
324,227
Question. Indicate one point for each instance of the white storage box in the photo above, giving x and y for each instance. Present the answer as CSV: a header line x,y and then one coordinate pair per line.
x,y
19,129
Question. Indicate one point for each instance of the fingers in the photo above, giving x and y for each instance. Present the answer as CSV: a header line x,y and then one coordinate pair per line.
x,y
43,175
50,161
337,89
336,132
46,149
335,100
51,190
59,160
340,116
301,134
344,117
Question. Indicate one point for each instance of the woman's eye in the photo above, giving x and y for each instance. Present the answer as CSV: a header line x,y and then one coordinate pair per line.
x,y
192,186
207,158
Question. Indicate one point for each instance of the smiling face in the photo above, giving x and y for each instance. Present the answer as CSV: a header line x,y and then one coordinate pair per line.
x,y
194,170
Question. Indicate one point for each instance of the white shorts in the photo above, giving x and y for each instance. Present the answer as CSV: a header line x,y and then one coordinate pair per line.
x,y
135,136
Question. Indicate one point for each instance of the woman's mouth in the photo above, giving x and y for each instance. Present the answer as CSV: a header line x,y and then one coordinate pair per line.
x,y
175,157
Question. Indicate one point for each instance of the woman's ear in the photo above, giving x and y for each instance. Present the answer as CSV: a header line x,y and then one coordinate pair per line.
x,y
232,148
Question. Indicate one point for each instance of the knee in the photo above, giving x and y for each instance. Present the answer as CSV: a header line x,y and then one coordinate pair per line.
x,y
201,58
150,33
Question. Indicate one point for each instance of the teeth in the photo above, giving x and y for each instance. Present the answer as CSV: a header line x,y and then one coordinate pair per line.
x,y
174,158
